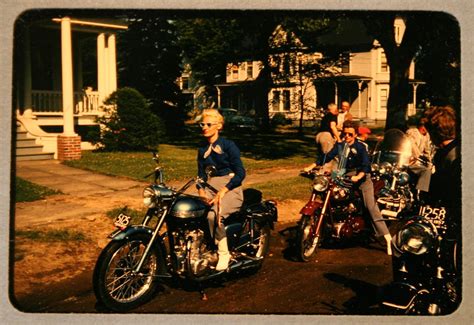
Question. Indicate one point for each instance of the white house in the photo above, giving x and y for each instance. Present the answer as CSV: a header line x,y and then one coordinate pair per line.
x,y
57,84
363,81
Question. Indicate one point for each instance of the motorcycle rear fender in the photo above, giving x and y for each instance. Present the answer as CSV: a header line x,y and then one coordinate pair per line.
x,y
311,207
400,295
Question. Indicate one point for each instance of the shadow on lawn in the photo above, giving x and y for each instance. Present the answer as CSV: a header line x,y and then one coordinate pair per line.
x,y
258,145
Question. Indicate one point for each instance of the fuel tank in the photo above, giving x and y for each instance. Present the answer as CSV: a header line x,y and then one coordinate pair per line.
x,y
189,207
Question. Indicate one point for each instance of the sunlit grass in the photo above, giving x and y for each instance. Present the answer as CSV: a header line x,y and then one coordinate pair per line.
x,y
53,235
26,191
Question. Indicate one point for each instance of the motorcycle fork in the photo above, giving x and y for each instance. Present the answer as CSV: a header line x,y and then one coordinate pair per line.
x,y
323,211
150,243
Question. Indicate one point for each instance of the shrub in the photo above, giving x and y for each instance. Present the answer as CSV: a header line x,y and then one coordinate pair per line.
x,y
280,119
128,123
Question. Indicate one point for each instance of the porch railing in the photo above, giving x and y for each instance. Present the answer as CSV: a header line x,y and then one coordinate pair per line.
x,y
46,101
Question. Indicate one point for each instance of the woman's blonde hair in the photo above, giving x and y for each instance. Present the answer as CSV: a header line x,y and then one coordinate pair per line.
x,y
213,113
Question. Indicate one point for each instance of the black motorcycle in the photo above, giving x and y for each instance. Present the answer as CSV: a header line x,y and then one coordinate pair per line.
x,y
426,265
173,241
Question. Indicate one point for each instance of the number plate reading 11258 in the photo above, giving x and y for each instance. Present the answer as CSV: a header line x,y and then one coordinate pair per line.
x,y
122,221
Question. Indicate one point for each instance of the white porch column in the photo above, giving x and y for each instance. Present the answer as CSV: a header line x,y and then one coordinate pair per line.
x,y
67,77
101,81
359,92
415,86
27,72
112,64
218,97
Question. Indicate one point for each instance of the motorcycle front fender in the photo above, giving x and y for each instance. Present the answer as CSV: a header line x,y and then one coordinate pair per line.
x,y
311,207
401,295
131,231
120,234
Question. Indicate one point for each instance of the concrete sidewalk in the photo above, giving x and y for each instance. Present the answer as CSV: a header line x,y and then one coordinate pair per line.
x,y
86,194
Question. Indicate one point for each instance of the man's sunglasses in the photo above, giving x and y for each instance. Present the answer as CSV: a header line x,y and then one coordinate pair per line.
x,y
207,124
348,134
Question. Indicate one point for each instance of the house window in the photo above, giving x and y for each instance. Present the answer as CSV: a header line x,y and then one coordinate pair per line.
x,y
249,70
346,60
286,100
235,72
276,100
383,99
286,65
184,83
383,62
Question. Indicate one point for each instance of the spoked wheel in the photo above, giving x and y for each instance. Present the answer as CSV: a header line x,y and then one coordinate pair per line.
x,y
116,285
307,240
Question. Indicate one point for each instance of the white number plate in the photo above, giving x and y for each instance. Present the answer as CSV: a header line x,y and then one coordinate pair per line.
x,y
436,215
122,221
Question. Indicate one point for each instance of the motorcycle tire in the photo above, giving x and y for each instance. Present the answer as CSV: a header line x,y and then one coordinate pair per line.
x,y
307,242
114,285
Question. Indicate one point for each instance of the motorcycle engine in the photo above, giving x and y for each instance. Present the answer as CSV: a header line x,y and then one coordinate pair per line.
x,y
199,257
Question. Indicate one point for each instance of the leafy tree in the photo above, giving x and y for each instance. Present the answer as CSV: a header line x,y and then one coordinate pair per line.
x,y
423,32
209,44
149,61
128,123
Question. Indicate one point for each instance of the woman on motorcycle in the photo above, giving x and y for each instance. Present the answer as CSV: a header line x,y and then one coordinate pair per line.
x,y
225,156
358,163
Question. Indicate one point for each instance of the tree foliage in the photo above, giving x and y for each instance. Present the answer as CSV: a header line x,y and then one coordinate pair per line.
x,y
150,62
128,123
423,31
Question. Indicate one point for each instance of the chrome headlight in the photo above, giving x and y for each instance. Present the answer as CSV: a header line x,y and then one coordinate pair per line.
x,y
320,183
375,168
385,167
150,194
415,238
403,178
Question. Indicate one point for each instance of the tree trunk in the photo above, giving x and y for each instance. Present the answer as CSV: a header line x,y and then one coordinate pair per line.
x,y
398,96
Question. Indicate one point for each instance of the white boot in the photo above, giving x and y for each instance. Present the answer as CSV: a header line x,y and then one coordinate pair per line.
x,y
388,239
224,255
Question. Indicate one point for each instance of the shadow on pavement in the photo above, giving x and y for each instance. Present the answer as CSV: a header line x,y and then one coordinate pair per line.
x,y
366,300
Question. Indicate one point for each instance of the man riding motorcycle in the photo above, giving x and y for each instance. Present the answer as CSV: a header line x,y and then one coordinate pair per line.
x,y
358,167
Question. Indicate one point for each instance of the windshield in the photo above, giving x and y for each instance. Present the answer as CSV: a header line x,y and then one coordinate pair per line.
x,y
395,148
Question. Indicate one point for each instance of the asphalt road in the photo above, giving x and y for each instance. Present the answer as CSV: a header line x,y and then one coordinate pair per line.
x,y
338,281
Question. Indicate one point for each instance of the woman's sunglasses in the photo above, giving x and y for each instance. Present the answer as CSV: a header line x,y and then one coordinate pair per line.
x,y
207,124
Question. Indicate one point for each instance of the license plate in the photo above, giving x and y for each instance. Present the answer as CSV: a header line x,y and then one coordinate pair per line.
x,y
122,221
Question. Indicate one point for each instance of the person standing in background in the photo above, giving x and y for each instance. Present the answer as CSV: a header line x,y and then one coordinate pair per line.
x,y
344,115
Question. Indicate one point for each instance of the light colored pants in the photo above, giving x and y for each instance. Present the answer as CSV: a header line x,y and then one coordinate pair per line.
x,y
230,203
325,142
424,177
367,189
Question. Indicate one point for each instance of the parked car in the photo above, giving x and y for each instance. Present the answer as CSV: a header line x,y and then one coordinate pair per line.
x,y
234,120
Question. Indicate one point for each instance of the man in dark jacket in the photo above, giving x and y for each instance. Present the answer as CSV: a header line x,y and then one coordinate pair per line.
x,y
445,185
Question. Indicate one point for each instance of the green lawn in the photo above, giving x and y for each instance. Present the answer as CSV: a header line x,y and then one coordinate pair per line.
x,y
178,158
295,188
26,191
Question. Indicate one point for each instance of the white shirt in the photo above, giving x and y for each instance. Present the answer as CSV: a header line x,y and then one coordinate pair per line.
x,y
421,144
